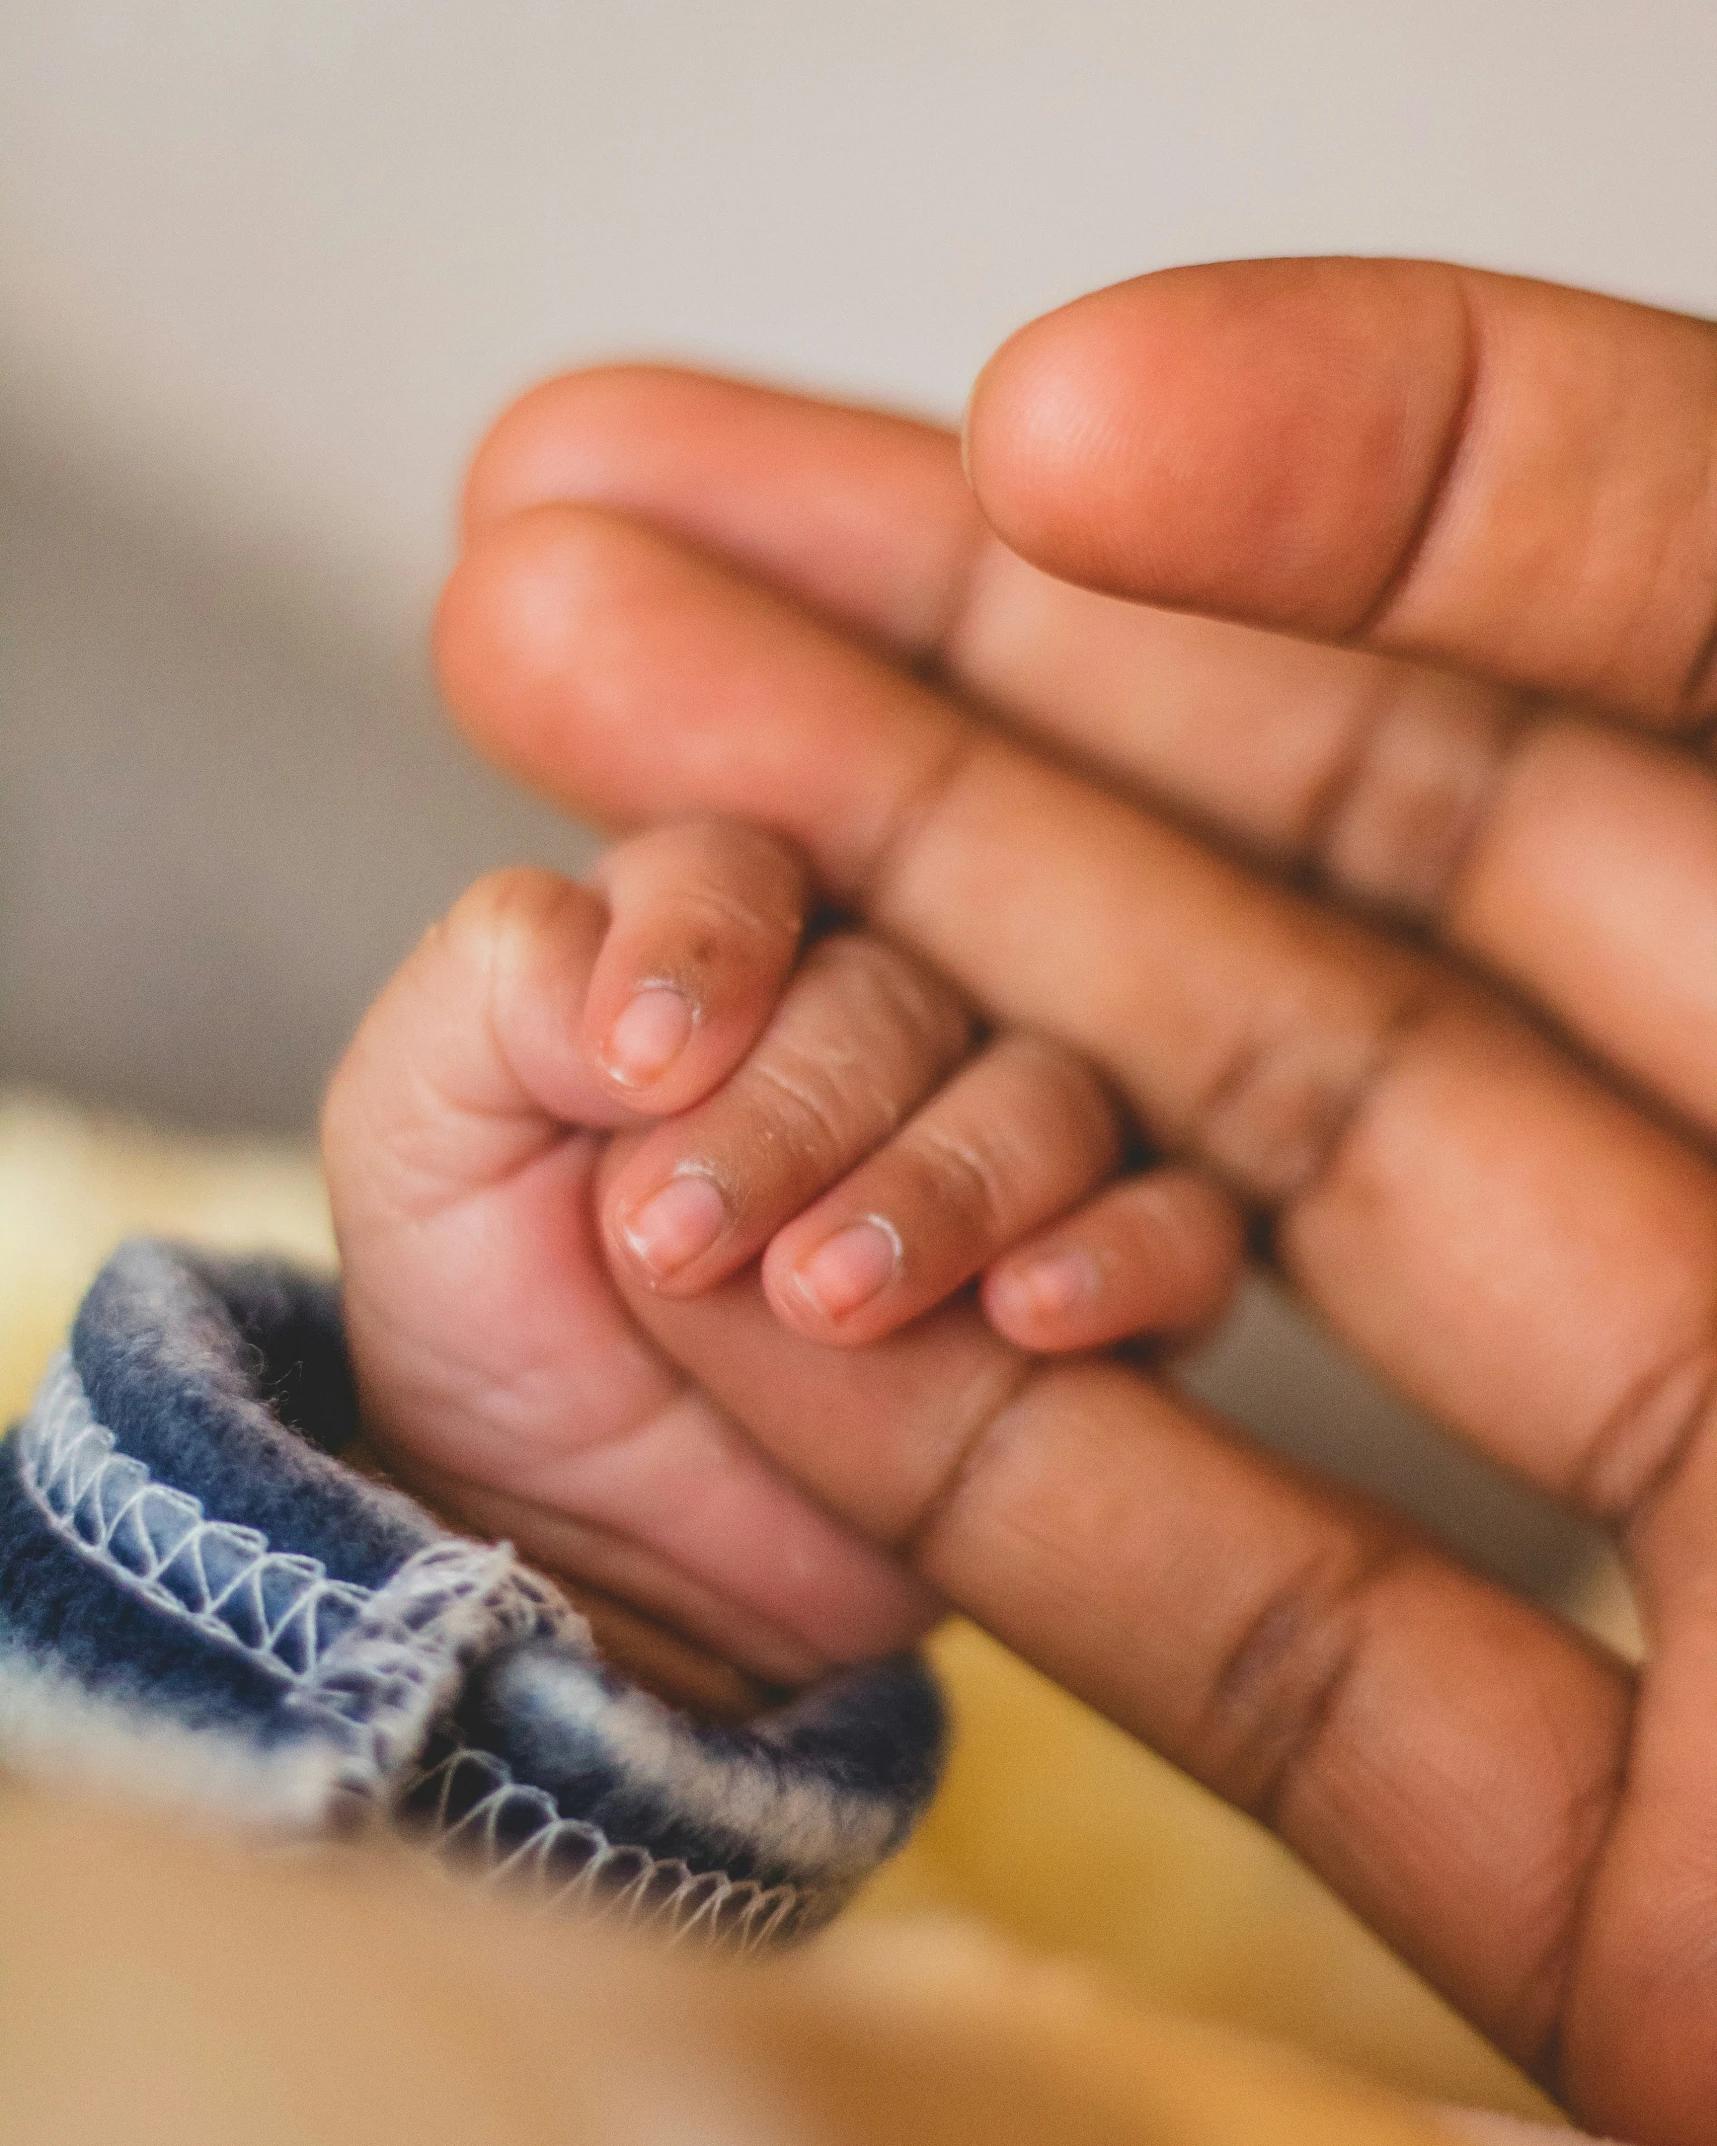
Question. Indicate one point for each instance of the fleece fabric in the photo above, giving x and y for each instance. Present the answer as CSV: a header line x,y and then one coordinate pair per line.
x,y
200,1599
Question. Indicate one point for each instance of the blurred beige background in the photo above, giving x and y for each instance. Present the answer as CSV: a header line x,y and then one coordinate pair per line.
x,y
264,272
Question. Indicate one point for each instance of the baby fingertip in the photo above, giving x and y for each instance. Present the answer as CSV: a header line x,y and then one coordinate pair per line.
x,y
675,1225
851,1268
647,1036
1026,1298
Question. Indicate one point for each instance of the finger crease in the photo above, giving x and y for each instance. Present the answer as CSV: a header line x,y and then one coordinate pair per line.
x,y
1434,814
989,1402
1281,1683
950,1156
1431,514
909,818
1279,1130
1643,1444
957,600
1700,688
821,1108
1330,801
1591,1819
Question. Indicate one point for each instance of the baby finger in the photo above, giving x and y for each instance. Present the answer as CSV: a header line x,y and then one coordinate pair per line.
x,y
862,1034
705,923
1155,1254
1015,1138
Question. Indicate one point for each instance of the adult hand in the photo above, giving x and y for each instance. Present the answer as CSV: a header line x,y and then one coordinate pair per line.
x,y
1471,512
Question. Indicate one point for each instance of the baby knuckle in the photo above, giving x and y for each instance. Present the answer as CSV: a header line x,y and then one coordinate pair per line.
x,y
809,1108
501,908
966,1178
717,922
759,856
892,991
1060,1086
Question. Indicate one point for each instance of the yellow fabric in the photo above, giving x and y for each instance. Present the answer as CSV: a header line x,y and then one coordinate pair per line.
x,y
346,2002
1054,1828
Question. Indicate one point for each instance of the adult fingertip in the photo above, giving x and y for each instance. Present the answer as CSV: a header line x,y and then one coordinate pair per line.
x,y
579,435
1254,438
535,639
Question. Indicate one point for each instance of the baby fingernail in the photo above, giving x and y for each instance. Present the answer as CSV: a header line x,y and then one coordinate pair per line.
x,y
676,1224
1045,1288
649,1035
850,1267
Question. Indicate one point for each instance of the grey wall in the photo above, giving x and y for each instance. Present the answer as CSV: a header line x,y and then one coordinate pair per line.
x,y
264,271
227,807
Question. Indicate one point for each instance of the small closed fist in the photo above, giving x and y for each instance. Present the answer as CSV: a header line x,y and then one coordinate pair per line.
x,y
659,1073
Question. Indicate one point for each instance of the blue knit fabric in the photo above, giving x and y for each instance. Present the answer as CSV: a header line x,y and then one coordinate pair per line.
x,y
199,1598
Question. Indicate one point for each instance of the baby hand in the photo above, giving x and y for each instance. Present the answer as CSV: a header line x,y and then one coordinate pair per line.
x,y
829,1108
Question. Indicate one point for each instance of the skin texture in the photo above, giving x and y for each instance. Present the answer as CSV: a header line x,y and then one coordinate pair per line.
x,y
1384,890
502,1376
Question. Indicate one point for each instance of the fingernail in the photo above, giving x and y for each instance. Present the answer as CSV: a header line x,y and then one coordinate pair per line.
x,y
848,1269
1045,1288
674,1225
649,1035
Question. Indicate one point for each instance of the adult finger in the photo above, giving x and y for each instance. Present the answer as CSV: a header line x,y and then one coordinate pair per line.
x,y
1018,1134
858,512
1575,859
1578,863
1415,1139
867,518
863,1033
1299,1650
703,929
1507,476
1156,1254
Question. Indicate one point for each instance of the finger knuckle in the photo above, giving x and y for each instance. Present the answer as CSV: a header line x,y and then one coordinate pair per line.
x,y
1286,1102
1060,1088
967,1179
1280,1683
717,926
499,911
1408,802
892,994
812,1112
